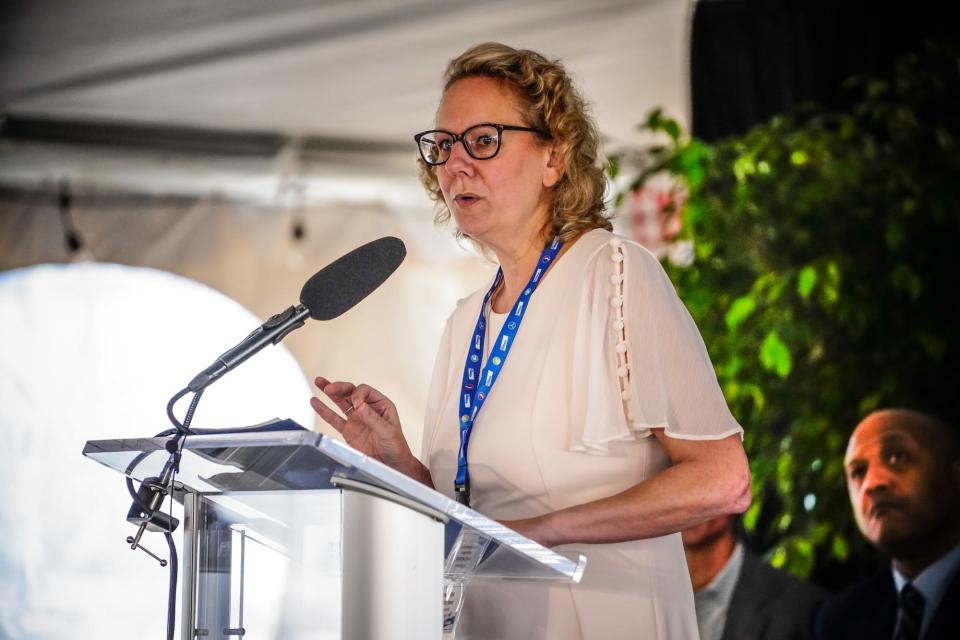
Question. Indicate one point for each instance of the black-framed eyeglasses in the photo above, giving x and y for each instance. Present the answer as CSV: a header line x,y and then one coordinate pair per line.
x,y
482,141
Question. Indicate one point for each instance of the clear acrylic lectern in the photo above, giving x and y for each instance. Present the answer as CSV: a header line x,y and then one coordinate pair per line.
x,y
291,534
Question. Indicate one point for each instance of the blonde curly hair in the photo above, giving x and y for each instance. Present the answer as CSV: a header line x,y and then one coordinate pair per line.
x,y
551,103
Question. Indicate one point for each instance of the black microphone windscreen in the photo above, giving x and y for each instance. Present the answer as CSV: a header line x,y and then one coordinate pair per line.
x,y
349,279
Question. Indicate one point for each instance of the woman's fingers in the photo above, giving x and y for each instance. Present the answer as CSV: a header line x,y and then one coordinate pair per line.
x,y
366,393
353,401
338,392
338,388
329,415
379,403
371,425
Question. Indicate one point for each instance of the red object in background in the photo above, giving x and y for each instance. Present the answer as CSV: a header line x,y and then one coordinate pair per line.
x,y
654,214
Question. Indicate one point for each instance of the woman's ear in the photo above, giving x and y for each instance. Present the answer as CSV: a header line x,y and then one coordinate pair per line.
x,y
554,168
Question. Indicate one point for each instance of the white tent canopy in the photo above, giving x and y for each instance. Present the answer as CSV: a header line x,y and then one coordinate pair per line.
x,y
360,76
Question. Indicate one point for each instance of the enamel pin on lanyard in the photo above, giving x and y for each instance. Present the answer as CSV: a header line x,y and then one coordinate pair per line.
x,y
477,382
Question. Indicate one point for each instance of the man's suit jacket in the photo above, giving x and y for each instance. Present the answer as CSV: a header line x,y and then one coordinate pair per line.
x,y
868,611
768,604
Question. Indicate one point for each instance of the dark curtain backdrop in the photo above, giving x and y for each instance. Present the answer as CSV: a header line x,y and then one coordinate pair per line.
x,y
752,59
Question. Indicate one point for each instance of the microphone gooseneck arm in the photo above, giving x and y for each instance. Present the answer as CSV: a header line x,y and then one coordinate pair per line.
x,y
270,332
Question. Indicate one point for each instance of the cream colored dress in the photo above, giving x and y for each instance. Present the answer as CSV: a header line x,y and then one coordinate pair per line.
x,y
605,353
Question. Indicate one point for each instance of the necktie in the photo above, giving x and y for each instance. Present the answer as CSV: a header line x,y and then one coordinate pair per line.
x,y
910,615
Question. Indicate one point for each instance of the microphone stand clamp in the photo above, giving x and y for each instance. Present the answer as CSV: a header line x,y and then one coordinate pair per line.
x,y
150,495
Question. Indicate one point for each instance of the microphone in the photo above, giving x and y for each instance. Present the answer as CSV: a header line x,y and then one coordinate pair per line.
x,y
327,294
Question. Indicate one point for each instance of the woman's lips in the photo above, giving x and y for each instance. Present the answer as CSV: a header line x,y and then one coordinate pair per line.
x,y
466,200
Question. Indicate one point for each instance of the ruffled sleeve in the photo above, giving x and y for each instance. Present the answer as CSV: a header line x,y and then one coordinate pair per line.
x,y
638,359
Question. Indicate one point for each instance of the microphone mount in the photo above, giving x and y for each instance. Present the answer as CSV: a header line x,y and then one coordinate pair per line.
x,y
145,510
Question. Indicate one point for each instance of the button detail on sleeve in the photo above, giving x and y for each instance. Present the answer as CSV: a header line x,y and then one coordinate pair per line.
x,y
617,303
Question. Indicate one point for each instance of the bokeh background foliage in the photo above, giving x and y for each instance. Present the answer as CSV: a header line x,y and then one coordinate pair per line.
x,y
824,284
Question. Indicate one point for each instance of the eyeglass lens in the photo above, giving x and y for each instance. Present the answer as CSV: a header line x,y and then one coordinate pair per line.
x,y
482,142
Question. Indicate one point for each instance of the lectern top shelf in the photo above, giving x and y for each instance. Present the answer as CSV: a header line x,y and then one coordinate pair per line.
x,y
288,458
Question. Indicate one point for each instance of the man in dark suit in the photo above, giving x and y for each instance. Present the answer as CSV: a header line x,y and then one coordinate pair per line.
x,y
737,595
903,476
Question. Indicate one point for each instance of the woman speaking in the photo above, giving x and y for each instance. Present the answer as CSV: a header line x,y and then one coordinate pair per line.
x,y
572,399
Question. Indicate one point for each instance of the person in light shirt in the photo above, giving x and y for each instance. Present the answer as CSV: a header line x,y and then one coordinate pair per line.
x,y
903,477
737,595
572,397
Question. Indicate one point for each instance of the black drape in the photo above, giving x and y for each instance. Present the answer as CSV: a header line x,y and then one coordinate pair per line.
x,y
752,59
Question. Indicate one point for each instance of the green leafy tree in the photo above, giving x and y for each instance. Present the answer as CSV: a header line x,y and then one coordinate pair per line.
x,y
824,283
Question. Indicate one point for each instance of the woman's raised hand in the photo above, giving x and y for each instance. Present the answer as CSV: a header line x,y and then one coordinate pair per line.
x,y
372,425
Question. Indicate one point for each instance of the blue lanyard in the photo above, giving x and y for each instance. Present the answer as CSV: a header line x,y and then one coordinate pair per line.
x,y
476,384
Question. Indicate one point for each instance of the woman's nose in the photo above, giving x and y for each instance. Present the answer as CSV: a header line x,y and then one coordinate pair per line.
x,y
459,160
